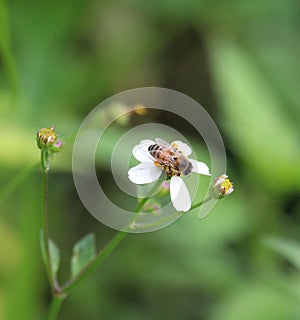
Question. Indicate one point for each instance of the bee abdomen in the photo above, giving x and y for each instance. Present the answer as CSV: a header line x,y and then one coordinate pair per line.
x,y
154,150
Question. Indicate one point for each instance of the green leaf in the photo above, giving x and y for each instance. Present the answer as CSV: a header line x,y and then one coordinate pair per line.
x,y
288,248
54,256
83,252
54,253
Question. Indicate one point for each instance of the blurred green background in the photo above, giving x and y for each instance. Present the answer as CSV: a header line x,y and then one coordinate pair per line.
x,y
240,60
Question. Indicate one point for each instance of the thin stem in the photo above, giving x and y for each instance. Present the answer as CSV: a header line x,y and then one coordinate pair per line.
x,y
172,216
55,306
102,255
57,297
45,160
200,203
157,222
46,237
95,263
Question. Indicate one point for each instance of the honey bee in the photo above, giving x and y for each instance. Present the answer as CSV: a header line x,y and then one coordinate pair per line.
x,y
170,159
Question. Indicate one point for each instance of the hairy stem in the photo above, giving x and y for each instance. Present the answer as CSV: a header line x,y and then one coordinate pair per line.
x,y
46,235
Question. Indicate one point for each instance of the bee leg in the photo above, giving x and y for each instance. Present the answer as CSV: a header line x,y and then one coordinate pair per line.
x,y
157,164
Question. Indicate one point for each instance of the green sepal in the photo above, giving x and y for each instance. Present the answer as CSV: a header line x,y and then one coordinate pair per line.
x,y
84,251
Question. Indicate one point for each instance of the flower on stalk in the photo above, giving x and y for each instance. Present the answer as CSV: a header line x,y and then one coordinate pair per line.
x,y
47,139
221,187
158,157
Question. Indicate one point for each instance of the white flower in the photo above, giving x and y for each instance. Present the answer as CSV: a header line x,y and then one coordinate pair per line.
x,y
173,159
221,187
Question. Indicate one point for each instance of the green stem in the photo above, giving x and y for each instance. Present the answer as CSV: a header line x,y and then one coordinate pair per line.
x,y
200,203
46,236
57,297
102,255
55,306
162,220
95,263
172,216
45,160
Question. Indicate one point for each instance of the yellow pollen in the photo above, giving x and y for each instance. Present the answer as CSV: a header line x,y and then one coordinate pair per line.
x,y
47,135
226,185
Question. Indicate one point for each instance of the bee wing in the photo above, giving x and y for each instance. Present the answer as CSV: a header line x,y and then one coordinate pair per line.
x,y
161,142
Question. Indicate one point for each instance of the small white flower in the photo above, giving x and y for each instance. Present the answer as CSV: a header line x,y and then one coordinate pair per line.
x,y
172,159
222,187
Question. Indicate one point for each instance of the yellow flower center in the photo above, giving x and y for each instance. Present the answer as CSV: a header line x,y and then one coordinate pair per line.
x,y
47,135
226,185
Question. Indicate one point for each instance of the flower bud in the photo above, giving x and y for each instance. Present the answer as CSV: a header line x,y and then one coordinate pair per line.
x,y
221,187
152,207
139,109
46,137
164,189
47,140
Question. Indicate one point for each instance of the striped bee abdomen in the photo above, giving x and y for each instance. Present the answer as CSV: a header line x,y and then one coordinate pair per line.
x,y
154,149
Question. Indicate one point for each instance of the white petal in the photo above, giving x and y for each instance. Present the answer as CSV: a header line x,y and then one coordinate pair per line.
x,y
183,147
180,195
200,167
140,151
145,172
161,141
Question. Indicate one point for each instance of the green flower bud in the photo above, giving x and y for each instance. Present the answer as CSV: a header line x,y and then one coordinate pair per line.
x,y
152,206
48,142
165,189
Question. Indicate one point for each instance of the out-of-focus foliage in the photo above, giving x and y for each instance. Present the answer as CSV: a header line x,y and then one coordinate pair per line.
x,y
240,60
